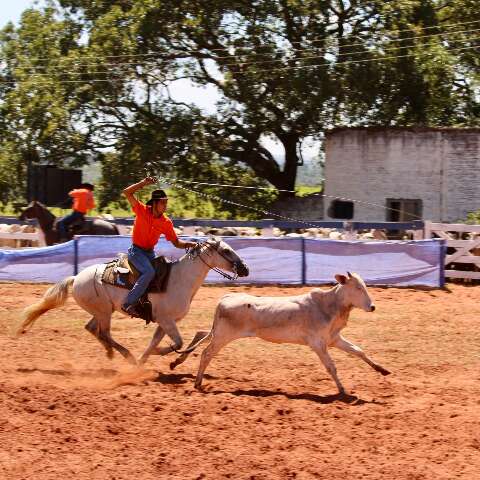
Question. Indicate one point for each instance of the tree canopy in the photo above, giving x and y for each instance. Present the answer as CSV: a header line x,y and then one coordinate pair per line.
x,y
93,79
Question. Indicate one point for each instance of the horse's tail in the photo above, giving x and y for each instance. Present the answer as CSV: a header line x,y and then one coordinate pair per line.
x,y
54,297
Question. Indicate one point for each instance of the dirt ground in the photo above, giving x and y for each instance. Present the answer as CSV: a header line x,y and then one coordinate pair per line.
x,y
268,411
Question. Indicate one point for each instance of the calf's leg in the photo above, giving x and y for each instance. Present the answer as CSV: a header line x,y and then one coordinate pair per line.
x,y
349,347
321,350
210,351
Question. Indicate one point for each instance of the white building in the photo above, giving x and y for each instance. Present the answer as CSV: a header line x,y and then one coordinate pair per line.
x,y
401,174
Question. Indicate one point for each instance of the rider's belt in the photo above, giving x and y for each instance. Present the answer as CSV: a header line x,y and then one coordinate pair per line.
x,y
149,250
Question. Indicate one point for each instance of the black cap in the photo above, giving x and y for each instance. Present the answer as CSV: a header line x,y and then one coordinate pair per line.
x,y
88,186
157,195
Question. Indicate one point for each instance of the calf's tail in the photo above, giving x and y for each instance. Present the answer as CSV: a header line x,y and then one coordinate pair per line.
x,y
54,297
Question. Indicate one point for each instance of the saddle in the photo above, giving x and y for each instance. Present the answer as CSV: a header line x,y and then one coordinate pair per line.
x,y
81,226
119,272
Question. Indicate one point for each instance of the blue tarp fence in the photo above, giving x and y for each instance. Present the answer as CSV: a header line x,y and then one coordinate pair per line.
x,y
294,261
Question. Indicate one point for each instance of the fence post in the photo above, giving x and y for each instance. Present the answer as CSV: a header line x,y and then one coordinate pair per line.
x,y
304,263
75,255
443,253
427,232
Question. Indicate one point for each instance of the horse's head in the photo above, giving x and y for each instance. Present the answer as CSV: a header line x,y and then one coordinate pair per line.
x,y
220,255
30,211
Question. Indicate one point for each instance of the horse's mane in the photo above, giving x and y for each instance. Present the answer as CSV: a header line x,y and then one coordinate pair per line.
x,y
49,216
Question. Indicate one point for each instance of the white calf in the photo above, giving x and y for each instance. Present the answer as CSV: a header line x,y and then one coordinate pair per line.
x,y
314,319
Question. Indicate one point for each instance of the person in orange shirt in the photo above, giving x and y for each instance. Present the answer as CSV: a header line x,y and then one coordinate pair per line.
x,y
150,223
83,201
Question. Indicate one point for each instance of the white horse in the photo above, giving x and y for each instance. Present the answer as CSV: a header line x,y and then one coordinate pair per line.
x,y
101,300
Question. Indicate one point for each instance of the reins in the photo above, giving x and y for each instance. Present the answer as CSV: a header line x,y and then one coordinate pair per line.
x,y
216,269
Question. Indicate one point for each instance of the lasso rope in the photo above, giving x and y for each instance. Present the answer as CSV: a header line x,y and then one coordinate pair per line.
x,y
175,183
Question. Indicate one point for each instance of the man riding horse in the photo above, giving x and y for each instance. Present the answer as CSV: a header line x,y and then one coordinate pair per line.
x,y
150,223
83,201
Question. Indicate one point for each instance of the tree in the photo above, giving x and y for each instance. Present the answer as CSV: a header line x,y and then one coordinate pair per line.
x,y
284,69
38,116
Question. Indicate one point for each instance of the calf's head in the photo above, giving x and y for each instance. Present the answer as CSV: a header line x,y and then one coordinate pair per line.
x,y
355,291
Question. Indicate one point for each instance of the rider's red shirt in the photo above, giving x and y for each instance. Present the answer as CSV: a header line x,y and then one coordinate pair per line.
x,y
82,200
147,228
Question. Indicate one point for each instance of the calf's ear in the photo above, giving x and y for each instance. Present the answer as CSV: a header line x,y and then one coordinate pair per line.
x,y
341,279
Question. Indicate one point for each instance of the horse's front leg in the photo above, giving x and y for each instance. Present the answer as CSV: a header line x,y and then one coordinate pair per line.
x,y
196,341
157,337
170,328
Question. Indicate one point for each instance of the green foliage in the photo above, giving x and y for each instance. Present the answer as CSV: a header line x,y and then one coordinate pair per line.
x,y
303,190
473,218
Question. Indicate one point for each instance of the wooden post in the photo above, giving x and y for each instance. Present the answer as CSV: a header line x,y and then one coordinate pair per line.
x,y
427,229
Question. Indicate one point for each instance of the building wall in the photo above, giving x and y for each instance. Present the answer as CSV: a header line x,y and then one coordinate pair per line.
x,y
462,174
370,165
309,207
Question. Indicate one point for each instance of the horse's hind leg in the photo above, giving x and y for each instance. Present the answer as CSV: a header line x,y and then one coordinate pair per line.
x,y
92,327
105,336
102,332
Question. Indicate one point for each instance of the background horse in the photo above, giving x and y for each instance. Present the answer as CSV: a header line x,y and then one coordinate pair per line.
x,y
101,300
47,222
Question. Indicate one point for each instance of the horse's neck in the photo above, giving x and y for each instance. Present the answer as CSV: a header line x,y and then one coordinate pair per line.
x,y
46,219
188,274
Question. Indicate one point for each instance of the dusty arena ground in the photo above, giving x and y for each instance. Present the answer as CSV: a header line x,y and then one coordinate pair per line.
x,y
268,411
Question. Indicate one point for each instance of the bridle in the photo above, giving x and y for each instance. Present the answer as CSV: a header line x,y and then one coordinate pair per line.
x,y
197,252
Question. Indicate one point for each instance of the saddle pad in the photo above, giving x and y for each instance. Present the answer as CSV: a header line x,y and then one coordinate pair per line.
x,y
120,273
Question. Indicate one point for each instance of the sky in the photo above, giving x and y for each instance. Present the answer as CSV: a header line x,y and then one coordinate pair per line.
x,y
11,10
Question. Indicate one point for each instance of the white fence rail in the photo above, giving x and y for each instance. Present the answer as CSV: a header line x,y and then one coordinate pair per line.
x,y
461,253
36,238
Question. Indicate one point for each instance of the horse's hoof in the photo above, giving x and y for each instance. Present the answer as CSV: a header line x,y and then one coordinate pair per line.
x,y
382,370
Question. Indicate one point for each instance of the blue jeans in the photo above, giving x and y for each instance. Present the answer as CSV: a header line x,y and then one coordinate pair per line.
x,y
141,259
62,225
